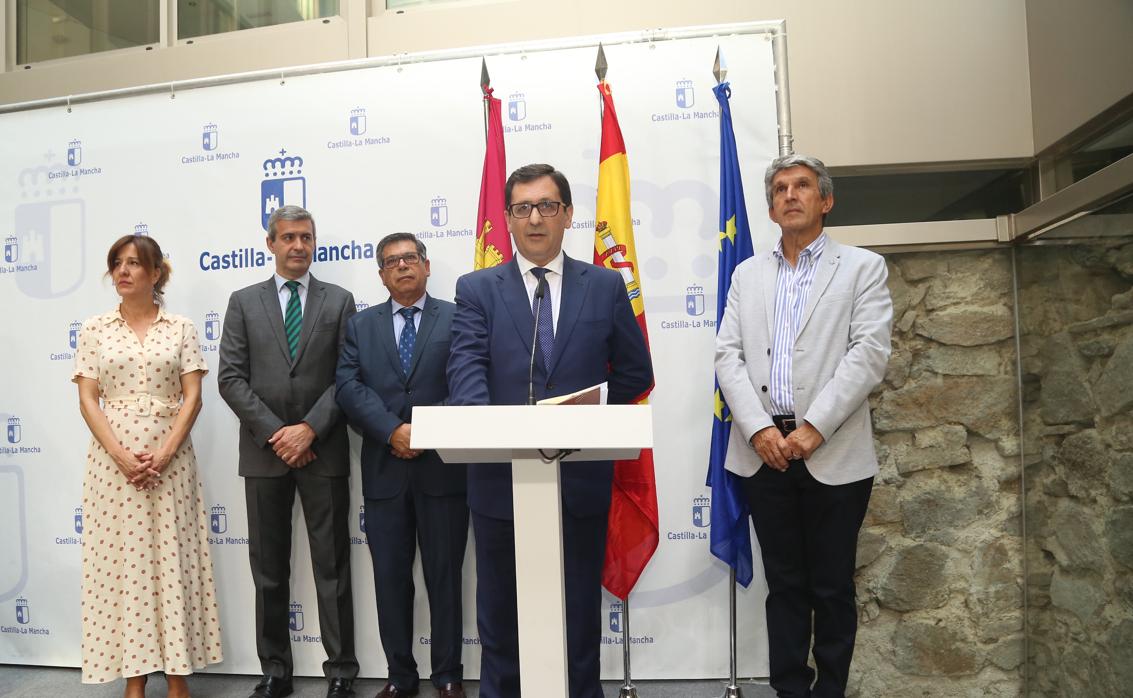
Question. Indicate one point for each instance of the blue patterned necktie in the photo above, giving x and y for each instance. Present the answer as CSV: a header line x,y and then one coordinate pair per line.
x,y
408,338
545,332
293,319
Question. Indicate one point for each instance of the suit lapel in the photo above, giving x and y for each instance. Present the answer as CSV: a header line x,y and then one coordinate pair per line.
x,y
571,301
770,275
269,295
428,322
827,265
316,294
515,301
385,339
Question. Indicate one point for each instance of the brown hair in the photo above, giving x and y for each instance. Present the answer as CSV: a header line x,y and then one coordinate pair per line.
x,y
149,253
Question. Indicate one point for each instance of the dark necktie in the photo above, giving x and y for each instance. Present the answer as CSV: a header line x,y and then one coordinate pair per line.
x,y
293,319
408,338
545,332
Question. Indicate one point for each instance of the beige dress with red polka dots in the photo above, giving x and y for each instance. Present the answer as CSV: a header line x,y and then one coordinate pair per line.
x,y
148,597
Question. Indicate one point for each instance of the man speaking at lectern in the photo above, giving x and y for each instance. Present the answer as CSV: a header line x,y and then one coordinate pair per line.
x,y
587,334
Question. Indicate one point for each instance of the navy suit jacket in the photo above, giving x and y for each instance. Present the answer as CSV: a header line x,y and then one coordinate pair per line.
x,y
597,340
377,397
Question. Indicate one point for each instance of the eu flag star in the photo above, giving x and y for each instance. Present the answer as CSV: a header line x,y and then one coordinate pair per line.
x,y
729,232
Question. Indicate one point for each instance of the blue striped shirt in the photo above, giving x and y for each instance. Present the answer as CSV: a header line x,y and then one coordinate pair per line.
x,y
792,288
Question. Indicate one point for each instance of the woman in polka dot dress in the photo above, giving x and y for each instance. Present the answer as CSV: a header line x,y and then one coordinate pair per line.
x,y
148,597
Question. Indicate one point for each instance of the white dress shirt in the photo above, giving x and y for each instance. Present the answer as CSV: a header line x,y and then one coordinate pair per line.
x,y
554,278
284,293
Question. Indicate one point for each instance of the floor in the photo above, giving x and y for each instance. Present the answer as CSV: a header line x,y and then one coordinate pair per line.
x,y
18,681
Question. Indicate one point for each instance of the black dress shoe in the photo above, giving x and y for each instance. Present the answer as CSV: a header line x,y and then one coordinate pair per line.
x,y
340,688
391,691
272,687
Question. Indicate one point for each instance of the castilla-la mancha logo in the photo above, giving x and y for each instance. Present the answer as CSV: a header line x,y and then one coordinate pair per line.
x,y
701,512
218,520
615,616
295,617
283,185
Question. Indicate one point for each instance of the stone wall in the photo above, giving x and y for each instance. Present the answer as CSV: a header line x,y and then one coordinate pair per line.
x,y
1076,345
940,557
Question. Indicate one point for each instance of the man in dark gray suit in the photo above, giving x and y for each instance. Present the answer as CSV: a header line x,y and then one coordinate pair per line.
x,y
394,358
277,359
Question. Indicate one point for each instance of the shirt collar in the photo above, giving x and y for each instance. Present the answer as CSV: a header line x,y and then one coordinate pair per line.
x,y
814,249
304,281
555,265
419,304
116,316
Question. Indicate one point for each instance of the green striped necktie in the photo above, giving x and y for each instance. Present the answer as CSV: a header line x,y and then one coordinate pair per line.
x,y
293,320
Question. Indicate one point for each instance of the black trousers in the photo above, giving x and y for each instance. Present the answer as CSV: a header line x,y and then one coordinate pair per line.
x,y
584,550
808,535
326,506
394,527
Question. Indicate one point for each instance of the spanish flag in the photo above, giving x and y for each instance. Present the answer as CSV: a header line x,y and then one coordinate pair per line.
x,y
632,534
493,245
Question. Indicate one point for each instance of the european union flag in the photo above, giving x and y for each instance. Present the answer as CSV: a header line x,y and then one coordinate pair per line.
x,y
730,538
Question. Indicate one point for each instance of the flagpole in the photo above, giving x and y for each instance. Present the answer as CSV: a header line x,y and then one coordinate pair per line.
x,y
733,689
720,71
628,689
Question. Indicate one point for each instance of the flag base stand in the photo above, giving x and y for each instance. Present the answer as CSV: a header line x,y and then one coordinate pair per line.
x,y
628,689
733,689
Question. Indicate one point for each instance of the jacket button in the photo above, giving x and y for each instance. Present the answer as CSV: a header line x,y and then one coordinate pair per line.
x,y
409,391
764,388
550,386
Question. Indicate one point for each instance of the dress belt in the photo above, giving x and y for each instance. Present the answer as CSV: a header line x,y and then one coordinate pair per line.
x,y
144,405
786,423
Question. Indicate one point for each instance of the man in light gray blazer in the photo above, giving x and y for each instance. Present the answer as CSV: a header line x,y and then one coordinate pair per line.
x,y
278,354
803,341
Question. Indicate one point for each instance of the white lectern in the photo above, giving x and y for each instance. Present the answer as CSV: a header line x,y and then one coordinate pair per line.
x,y
500,433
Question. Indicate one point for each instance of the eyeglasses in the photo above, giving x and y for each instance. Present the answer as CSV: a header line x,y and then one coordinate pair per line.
x,y
393,261
546,209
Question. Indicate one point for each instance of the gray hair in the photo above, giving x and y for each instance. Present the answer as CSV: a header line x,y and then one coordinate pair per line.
x,y
290,213
825,183
398,237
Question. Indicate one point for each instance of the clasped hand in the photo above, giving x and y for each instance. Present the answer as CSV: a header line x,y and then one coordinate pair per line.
x,y
292,444
143,469
399,442
776,450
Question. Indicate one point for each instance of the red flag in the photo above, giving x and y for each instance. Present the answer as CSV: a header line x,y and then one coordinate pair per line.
x,y
493,245
633,531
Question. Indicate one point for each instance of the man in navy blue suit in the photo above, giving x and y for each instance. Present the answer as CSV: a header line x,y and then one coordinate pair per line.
x,y
591,337
393,358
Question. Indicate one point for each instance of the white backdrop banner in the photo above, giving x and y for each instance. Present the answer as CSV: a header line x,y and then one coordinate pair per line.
x,y
369,151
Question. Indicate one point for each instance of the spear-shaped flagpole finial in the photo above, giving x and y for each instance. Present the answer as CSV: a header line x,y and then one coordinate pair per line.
x,y
485,87
600,65
719,68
